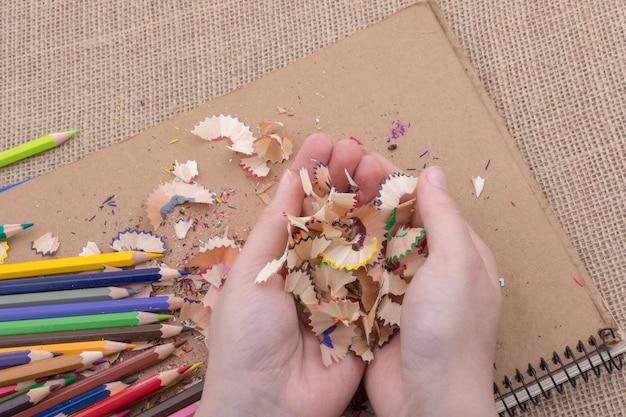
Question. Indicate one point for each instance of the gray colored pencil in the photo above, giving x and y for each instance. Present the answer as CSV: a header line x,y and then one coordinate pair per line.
x,y
65,296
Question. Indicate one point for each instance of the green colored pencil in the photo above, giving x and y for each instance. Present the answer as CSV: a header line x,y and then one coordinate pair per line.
x,y
91,321
35,146
8,230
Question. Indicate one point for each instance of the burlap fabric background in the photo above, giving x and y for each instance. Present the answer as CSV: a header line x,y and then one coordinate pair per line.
x,y
556,71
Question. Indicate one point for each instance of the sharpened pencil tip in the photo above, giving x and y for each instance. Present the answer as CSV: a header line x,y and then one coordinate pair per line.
x,y
26,225
153,255
73,132
180,271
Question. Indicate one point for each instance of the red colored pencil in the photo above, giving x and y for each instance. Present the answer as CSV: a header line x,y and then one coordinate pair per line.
x,y
134,393
120,370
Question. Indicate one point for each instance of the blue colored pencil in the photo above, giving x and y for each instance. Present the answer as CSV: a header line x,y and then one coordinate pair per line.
x,y
22,357
147,304
15,184
88,398
89,280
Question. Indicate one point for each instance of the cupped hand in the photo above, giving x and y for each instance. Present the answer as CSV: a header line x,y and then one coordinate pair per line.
x,y
441,361
263,360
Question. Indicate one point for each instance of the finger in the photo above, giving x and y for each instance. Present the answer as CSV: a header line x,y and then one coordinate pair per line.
x,y
446,229
346,156
368,175
268,237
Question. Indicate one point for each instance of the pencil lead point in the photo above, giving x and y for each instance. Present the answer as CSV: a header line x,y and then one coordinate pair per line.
x,y
26,225
73,132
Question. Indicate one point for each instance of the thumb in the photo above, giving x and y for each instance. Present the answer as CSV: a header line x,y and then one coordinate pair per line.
x,y
446,229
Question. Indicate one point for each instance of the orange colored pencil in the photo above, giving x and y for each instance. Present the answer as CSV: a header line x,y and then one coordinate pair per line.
x,y
48,367
134,393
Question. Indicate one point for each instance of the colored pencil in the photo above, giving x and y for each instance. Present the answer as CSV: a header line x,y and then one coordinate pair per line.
x,y
25,401
35,146
171,405
64,296
146,304
134,393
18,386
8,230
91,321
118,371
60,381
88,280
187,411
88,398
105,346
21,357
47,367
15,184
120,334
74,264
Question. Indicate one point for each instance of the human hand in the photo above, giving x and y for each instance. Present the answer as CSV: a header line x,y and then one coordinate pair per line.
x,y
263,360
441,361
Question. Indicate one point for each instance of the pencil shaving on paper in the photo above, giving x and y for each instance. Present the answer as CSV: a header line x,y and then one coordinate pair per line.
x,y
46,245
167,196
348,264
273,145
130,240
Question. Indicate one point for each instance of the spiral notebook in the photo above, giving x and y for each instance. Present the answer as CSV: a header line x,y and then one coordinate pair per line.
x,y
403,88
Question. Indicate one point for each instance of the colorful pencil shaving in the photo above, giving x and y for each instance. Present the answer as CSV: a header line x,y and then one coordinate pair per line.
x,y
75,264
88,280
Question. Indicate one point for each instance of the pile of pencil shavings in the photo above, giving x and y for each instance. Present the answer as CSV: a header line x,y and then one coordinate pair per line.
x,y
349,264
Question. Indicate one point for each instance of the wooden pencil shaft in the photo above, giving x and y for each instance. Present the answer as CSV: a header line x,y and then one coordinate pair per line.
x,y
120,334
92,321
63,297
48,367
146,304
87,280
74,264
118,371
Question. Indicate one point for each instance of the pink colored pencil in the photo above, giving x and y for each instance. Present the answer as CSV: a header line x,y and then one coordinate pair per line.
x,y
188,411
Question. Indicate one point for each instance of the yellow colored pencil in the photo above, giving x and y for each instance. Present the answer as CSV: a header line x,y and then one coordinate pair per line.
x,y
106,346
74,264
34,147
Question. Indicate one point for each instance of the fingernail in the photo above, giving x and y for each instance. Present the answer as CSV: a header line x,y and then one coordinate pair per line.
x,y
284,181
437,178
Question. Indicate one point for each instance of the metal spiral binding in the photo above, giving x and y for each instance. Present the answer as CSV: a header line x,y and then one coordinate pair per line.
x,y
601,357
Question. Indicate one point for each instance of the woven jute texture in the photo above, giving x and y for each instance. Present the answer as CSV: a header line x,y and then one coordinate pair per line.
x,y
556,71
